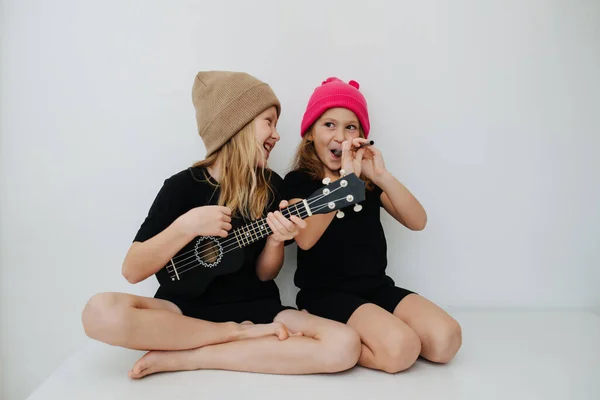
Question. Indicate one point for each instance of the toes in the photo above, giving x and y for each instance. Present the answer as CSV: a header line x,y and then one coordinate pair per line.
x,y
135,372
140,368
282,334
141,373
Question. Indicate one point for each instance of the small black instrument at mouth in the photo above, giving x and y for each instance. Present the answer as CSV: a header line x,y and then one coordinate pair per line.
x,y
338,153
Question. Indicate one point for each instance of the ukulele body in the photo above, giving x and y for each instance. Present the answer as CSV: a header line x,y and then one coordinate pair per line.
x,y
193,268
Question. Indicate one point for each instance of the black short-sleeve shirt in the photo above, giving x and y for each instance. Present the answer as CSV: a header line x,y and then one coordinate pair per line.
x,y
352,252
192,188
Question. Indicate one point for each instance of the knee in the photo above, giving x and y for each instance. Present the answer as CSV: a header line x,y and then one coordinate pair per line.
x,y
343,349
445,342
103,313
399,351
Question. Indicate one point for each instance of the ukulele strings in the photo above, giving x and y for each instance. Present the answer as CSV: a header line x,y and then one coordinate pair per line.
x,y
227,248
230,248
233,239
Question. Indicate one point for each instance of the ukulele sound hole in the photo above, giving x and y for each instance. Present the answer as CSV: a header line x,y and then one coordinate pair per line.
x,y
208,252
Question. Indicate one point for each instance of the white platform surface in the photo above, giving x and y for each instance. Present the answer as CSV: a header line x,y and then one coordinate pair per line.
x,y
505,355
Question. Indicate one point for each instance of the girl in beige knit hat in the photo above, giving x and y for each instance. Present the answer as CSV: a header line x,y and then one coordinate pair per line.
x,y
217,306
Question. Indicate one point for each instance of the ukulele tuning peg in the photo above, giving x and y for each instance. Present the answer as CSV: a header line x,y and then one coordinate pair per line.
x,y
357,207
326,181
340,214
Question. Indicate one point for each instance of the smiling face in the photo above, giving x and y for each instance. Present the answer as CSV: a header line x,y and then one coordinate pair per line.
x,y
329,132
265,129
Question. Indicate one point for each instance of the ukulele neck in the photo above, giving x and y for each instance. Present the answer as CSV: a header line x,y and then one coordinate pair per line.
x,y
259,229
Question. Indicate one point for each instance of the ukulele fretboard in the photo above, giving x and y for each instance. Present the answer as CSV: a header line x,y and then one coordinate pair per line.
x,y
259,229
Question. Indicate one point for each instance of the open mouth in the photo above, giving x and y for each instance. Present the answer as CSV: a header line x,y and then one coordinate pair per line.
x,y
268,147
337,153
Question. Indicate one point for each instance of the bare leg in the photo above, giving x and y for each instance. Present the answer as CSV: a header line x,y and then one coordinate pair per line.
x,y
326,347
440,334
388,344
143,323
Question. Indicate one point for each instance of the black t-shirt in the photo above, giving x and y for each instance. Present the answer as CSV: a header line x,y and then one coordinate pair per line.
x,y
352,252
192,188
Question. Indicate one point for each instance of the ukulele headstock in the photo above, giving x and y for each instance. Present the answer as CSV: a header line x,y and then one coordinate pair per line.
x,y
341,193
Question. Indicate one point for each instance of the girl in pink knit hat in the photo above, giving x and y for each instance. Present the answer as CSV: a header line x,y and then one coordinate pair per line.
x,y
342,255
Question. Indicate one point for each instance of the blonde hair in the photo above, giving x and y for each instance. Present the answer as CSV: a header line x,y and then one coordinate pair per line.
x,y
245,187
306,157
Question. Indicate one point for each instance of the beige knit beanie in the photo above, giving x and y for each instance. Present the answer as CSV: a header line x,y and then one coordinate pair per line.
x,y
227,101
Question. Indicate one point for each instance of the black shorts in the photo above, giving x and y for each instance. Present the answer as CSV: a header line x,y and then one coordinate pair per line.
x,y
261,311
340,305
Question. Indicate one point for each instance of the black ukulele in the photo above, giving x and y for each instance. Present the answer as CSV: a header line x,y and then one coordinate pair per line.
x,y
192,269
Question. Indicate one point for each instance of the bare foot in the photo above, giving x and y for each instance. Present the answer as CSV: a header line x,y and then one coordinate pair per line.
x,y
159,361
289,330
261,330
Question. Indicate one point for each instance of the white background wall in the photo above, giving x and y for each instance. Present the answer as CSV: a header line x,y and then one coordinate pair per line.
x,y
488,111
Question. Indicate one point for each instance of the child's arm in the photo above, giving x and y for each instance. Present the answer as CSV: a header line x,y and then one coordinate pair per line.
x,y
270,260
316,225
397,200
400,203
146,258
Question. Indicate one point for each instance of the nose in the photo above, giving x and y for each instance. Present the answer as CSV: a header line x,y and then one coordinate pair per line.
x,y
340,135
275,135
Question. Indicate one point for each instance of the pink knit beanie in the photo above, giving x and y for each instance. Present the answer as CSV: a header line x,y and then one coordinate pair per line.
x,y
335,93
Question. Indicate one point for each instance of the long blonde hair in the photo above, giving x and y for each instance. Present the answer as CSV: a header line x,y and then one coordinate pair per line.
x,y
245,187
306,157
